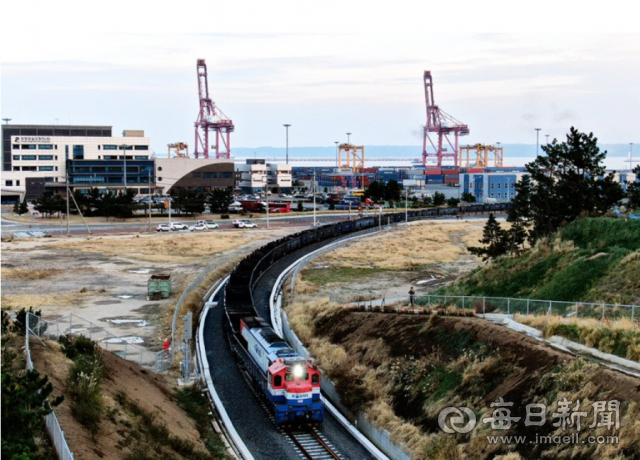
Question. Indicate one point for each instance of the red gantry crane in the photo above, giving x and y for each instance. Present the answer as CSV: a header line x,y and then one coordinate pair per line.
x,y
441,124
211,118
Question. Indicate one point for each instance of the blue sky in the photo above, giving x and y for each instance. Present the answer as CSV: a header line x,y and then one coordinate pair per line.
x,y
326,68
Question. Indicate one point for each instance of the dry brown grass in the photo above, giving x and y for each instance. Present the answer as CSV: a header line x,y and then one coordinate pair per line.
x,y
608,336
48,303
407,247
183,247
27,274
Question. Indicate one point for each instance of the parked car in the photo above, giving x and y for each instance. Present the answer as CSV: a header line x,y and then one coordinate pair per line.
x,y
198,227
243,223
179,226
163,228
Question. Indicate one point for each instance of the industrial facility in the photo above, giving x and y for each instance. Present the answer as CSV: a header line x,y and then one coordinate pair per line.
x,y
41,159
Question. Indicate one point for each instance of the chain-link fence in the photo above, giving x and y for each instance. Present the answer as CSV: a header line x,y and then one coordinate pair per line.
x,y
36,327
504,305
125,347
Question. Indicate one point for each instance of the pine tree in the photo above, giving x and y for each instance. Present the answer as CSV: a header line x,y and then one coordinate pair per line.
x,y
567,182
633,190
494,237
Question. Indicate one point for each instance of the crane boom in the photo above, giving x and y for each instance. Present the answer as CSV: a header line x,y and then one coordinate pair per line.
x,y
211,119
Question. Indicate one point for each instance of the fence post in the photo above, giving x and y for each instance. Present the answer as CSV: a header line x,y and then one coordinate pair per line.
x,y
483,306
603,312
463,302
633,313
550,308
528,307
508,305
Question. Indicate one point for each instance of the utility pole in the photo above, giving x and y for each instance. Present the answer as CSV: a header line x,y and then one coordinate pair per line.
x,y
266,198
66,171
314,197
406,205
124,148
149,189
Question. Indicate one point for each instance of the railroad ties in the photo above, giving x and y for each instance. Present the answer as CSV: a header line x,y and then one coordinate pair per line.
x,y
310,443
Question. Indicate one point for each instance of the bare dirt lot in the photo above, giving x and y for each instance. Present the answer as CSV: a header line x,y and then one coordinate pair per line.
x,y
104,279
424,254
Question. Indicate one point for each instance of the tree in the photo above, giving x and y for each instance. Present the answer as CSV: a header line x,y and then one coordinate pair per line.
x,y
633,190
567,182
301,206
494,238
219,200
392,190
439,199
453,202
468,197
21,207
375,191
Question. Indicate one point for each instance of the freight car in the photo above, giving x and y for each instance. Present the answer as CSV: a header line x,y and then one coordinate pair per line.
x,y
264,354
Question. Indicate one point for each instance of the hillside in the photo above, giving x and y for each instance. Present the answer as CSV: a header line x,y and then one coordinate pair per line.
x,y
403,370
591,259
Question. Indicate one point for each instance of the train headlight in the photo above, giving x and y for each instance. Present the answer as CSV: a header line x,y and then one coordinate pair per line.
x,y
298,371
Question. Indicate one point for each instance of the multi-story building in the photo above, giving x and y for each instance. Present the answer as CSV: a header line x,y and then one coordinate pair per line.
x,y
490,186
34,156
255,175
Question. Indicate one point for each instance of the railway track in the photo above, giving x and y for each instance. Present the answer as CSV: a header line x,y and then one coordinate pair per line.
x,y
312,444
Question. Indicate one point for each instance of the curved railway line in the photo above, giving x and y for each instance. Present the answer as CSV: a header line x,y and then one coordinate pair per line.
x,y
246,294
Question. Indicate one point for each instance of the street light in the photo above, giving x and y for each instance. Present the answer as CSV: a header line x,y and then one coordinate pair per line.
x,y
537,139
6,120
124,148
287,128
547,136
348,135
314,197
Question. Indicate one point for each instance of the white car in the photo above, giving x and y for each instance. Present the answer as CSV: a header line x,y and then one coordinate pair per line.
x,y
179,226
198,227
208,224
243,223
163,228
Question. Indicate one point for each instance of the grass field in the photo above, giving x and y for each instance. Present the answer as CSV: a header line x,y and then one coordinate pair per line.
x,y
589,260
621,337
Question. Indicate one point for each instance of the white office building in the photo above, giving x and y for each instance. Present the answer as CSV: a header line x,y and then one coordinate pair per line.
x,y
33,155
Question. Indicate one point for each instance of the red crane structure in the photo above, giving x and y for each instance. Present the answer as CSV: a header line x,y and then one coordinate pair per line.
x,y
441,124
211,118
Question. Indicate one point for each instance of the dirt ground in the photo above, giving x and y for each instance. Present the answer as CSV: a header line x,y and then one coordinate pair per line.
x,y
103,279
145,389
425,255
411,352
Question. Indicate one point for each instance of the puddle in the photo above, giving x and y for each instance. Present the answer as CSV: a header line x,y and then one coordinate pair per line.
x,y
128,340
141,271
124,296
433,278
136,322
75,330
321,266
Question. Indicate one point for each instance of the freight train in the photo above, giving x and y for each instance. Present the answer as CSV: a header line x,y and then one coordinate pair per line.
x,y
290,383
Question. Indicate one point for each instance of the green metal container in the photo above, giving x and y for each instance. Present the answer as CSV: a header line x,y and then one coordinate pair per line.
x,y
159,287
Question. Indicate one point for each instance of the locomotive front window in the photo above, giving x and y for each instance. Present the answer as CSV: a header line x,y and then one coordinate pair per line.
x,y
304,377
277,381
315,379
289,377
